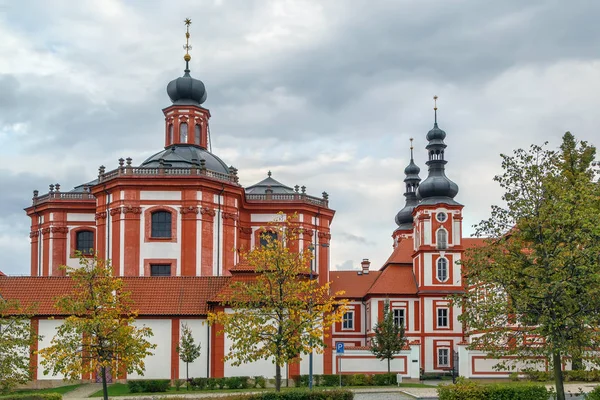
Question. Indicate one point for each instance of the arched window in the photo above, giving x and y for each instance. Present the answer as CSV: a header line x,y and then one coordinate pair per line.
x,y
171,134
84,242
442,239
161,224
183,132
442,269
197,134
267,237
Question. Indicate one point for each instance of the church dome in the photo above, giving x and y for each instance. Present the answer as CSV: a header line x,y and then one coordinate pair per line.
x,y
411,169
187,90
185,156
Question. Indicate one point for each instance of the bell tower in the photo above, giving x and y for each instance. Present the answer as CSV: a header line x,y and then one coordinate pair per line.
x,y
404,218
186,121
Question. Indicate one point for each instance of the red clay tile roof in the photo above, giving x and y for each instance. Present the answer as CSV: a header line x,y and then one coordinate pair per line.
x,y
2,273
395,279
472,242
402,254
354,285
151,295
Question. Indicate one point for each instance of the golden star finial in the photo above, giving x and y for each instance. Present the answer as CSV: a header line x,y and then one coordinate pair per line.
x,y
187,47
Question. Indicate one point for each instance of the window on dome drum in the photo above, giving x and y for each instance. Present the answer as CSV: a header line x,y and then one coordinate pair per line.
x,y
267,237
442,239
183,132
85,242
443,357
348,320
161,224
442,317
160,269
171,134
399,317
442,269
197,132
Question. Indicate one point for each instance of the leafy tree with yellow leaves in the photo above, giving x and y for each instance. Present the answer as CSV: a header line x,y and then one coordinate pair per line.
x,y
16,339
281,313
99,332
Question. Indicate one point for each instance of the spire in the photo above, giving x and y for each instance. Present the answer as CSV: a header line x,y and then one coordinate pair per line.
x,y
187,90
187,47
437,188
404,218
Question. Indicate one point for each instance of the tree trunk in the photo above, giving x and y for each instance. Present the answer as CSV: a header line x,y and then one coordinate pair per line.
x,y
277,378
389,366
558,376
104,386
187,375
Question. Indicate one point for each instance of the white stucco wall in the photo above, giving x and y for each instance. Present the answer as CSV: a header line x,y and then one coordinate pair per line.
x,y
265,368
47,330
199,368
158,366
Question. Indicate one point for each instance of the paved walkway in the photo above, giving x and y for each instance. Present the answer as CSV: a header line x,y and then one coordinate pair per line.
x,y
83,392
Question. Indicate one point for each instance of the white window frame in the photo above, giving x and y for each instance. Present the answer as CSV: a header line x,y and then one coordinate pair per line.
x,y
441,357
443,314
348,322
439,269
402,317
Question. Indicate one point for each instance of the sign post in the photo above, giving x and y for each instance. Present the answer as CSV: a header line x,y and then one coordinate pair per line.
x,y
339,349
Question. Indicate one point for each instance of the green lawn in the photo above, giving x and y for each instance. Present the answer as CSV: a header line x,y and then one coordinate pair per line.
x,y
59,389
121,389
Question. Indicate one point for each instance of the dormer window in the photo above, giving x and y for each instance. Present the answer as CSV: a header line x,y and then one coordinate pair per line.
x,y
183,132
197,134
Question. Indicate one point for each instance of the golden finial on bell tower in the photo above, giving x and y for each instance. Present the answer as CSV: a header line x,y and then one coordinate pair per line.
x,y
187,47
435,107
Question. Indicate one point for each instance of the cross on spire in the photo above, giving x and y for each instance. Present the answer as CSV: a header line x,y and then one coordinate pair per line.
x,y
187,47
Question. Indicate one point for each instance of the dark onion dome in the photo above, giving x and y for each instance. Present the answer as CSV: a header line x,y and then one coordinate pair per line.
x,y
186,90
269,183
437,188
185,156
404,218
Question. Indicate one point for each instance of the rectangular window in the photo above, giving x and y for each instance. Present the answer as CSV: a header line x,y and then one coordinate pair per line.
x,y
348,320
399,319
160,270
443,357
442,318
161,224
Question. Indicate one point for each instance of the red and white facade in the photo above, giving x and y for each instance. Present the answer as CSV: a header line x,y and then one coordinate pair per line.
x,y
172,228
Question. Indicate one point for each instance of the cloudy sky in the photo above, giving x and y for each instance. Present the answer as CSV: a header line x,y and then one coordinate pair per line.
x,y
323,93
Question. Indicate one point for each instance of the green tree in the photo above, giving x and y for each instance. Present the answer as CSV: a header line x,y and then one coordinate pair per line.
x,y
99,332
389,337
281,313
16,339
188,350
533,289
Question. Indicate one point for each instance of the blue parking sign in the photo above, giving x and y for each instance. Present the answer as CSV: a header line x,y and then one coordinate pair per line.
x,y
339,348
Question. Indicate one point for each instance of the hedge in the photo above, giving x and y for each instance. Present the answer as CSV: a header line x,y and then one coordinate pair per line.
x,y
234,382
469,390
347,380
32,396
297,394
148,385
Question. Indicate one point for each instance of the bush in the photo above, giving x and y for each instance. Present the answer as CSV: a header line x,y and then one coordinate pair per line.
x,y
179,383
32,396
582,376
148,385
538,376
469,390
260,381
299,394
236,382
594,394
211,383
198,383
329,380
384,379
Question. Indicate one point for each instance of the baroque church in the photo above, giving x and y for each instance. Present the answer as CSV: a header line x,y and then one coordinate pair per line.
x,y
169,225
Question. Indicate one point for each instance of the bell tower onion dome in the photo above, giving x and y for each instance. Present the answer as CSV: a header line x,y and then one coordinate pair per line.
x,y
404,218
436,188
